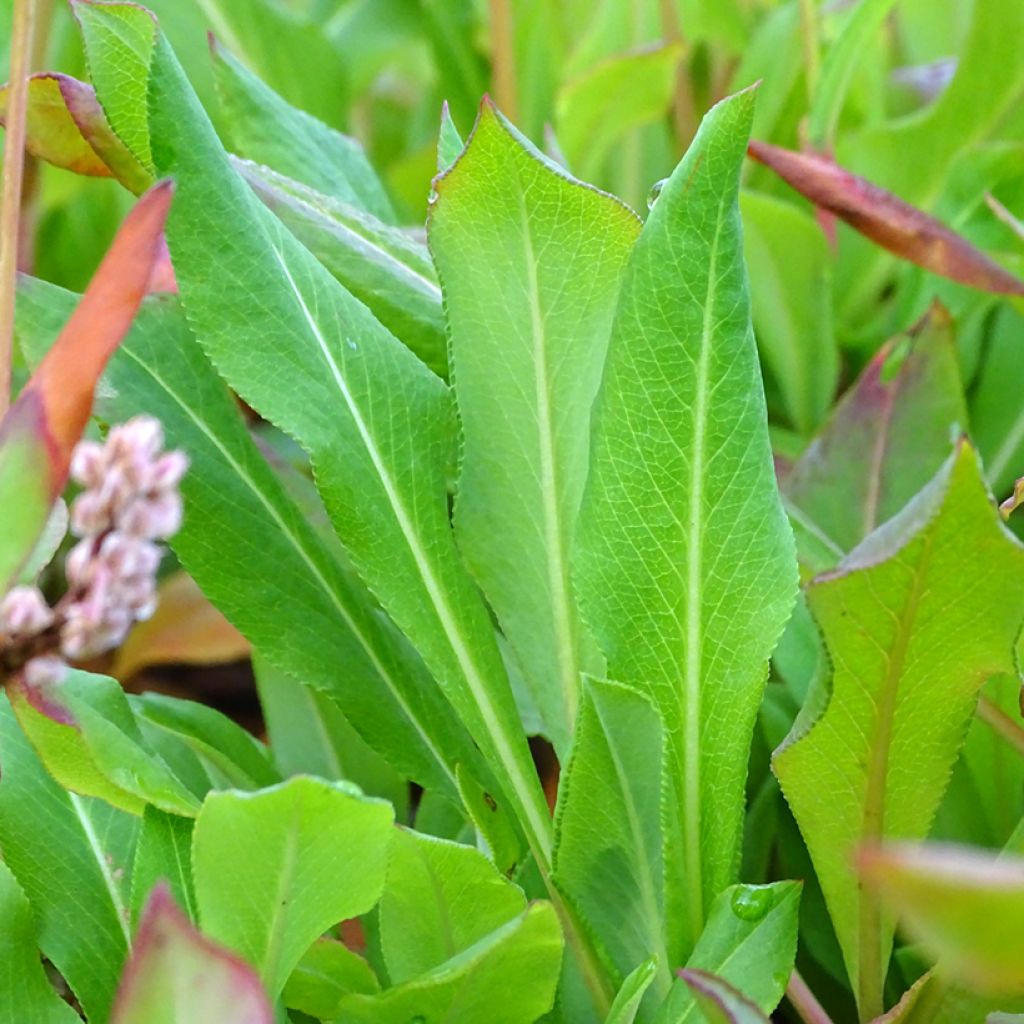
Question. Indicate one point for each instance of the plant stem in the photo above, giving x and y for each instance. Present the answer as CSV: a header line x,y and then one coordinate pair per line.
x,y
10,201
802,999
683,117
1001,723
809,36
503,58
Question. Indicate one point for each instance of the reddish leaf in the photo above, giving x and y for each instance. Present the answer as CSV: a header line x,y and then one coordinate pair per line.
x,y
886,219
185,629
41,429
66,127
719,1001
176,975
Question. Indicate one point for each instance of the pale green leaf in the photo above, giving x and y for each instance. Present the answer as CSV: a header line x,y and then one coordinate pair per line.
x,y
913,631
686,569
304,855
327,972
439,899
631,993
720,1002
530,262
449,141
508,977
163,853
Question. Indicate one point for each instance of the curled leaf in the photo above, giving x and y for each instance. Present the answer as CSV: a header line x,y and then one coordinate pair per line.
x,y
41,429
886,219
1014,501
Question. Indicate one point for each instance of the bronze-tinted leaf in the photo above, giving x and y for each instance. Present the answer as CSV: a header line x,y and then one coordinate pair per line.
x,y
903,229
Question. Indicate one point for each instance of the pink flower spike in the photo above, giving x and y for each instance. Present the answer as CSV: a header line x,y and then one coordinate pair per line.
x,y
24,612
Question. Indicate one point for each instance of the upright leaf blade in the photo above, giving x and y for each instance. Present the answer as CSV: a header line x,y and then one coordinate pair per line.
x,y
686,567
530,263
911,645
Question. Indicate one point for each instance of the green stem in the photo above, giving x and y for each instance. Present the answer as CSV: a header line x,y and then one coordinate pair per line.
x,y
811,45
10,200
683,117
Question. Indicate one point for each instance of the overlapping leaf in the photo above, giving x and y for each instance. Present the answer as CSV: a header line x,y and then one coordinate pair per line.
x,y
913,633
530,262
686,570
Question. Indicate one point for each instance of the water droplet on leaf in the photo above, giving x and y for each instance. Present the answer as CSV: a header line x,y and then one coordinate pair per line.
x,y
751,902
652,196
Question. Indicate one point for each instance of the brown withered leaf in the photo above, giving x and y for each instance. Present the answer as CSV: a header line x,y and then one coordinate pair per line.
x,y
185,629
886,219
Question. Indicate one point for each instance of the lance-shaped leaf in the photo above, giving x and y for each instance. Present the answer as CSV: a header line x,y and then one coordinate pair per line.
x,y
686,568
71,855
305,855
913,633
163,854
530,263
749,942
608,845
380,265
965,905
627,1000
242,534
26,993
176,975
378,425
883,442
886,219
41,429
66,127
264,127
719,1001
508,977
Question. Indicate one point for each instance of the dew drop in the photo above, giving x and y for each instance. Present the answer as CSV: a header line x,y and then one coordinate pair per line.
x,y
351,344
751,902
652,196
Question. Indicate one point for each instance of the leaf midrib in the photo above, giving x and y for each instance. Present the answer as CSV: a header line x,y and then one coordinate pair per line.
x,y
120,911
308,561
539,826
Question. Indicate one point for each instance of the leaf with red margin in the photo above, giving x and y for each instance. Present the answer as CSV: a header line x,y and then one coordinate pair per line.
x,y
66,127
178,976
41,429
719,1001
886,219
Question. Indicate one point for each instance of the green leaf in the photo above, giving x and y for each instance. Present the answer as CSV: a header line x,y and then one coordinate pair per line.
x,y
884,441
327,972
749,942
25,991
628,999
439,899
792,305
965,905
213,737
530,263
119,41
839,66
377,424
608,849
620,94
163,854
263,127
720,1002
87,736
309,735
380,265
449,141
70,855
243,535
508,977
176,976
304,855
911,645
686,570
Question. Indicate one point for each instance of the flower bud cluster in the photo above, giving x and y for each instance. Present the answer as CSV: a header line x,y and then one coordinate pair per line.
x,y
129,501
